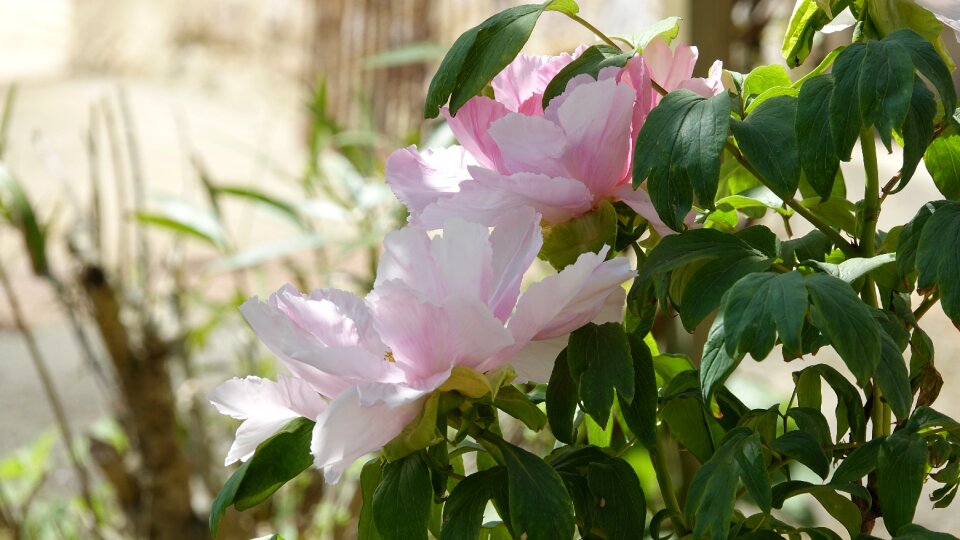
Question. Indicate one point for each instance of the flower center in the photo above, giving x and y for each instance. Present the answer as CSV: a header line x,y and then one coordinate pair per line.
x,y
388,356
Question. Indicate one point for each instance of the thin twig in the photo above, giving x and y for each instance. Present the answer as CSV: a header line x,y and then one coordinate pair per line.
x,y
138,182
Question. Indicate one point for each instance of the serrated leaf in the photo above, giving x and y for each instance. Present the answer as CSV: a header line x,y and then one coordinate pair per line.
x,y
804,448
478,55
761,306
942,160
590,62
463,511
540,507
901,468
846,322
678,153
622,507
600,361
641,414
563,243
401,503
816,149
562,396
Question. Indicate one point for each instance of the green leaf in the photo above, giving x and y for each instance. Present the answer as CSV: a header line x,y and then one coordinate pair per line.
x,y
418,434
225,498
806,20
805,448
901,469
641,414
929,63
622,508
760,306
811,421
563,243
540,507
846,322
370,477
678,152
562,396
641,309
711,496
763,78
816,149
942,160
600,361
849,411
567,7
682,409
591,61
938,258
917,130
463,512
841,508
893,378
666,29
515,403
859,463
479,55
15,205
401,503
852,269
909,240
845,119
276,461
916,532
689,247
184,218
885,87
768,139
716,365
285,208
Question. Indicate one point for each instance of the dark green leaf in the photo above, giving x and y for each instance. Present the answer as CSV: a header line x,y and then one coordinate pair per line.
x,y
225,498
562,396
760,306
811,421
370,478
909,240
849,410
928,62
861,462
401,503
710,281
276,461
805,448
893,378
678,151
479,55
942,159
621,511
938,258
641,414
16,206
841,508
600,361
540,507
641,307
845,117
463,512
847,322
682,249
591,61
768,139
564,242
901,469
886,87
816,149
917,131
690,423
916,532
716,365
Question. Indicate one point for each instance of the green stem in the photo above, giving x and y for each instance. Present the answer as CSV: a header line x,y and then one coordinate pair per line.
x,y
925,306
803,211
595,30
665,481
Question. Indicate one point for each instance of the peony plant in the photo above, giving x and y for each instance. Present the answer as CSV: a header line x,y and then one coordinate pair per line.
x,y
615,165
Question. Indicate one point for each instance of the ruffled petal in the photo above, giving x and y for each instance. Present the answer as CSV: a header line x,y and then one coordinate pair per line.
x,y
530,144
471,127
420,178
668,67
709,87
515,242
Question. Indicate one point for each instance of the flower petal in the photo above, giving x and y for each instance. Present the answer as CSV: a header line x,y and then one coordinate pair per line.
x,y
534,362
530,144
640,202
515,242
668,67
523,81
471,127
347,430
420,178
709,87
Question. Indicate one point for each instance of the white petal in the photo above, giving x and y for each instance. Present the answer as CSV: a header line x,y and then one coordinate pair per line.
x,y
530,144
515,242
420,178
534,362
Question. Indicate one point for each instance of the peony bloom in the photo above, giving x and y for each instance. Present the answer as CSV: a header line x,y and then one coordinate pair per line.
x,y
363,368
561,161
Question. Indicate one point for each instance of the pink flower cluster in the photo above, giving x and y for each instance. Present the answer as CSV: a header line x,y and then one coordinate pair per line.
x,y
562,160
363,367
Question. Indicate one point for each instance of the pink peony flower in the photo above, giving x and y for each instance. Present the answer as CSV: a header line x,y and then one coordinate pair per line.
x,y
562,161
363,368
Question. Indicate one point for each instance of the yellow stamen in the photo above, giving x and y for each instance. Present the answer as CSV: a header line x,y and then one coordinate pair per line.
x,y
388,356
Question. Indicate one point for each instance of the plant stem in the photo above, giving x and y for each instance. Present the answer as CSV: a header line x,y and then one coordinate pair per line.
x,y
53,398
595,30
824,227
665,481
925,305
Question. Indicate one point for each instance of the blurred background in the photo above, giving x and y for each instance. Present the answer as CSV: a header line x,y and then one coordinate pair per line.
x,y
162,161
